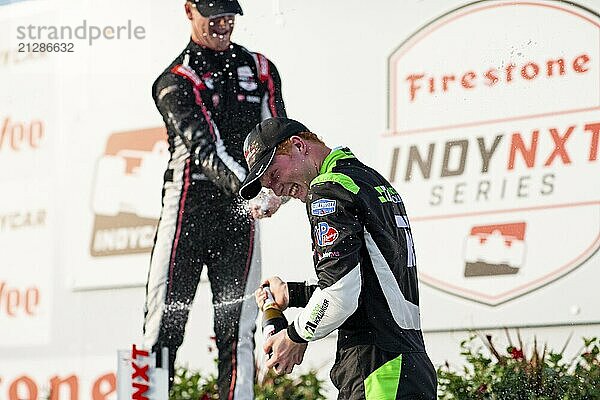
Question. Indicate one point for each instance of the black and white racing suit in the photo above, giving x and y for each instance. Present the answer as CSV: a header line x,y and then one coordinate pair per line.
x,y
209,101
367,285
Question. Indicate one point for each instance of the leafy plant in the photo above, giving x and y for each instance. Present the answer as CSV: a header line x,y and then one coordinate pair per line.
x,y
303,387
515,375
191,384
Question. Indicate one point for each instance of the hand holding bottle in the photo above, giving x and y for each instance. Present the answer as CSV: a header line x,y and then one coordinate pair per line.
x,y
278,288
273,319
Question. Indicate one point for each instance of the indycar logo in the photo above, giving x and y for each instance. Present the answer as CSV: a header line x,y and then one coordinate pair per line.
x,y
126,200
325,235
495,249
322,207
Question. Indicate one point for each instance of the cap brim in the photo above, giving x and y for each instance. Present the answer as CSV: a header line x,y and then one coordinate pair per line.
x,y
217,10
251,186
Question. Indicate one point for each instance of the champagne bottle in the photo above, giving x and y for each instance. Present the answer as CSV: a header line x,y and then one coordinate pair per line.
x,y
273,319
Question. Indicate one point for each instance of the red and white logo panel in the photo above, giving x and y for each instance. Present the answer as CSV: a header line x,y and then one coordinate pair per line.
x,y
495,249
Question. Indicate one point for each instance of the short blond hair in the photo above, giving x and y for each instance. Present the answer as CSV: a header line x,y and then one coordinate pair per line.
x,y
285,147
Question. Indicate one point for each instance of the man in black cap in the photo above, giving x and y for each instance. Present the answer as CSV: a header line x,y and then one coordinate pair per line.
x,y
210,96
365,263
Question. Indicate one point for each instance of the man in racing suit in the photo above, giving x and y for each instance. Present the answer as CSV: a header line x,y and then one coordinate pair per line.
x,y
365,263
210,96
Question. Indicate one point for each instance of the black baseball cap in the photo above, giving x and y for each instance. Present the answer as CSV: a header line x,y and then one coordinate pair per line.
x,y
212,8
260,147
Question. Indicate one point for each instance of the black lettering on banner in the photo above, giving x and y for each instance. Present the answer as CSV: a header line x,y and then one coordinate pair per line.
x,y
459,191
523,186
483,189
395,154
424,166
436,195
486,155
464,146
547,184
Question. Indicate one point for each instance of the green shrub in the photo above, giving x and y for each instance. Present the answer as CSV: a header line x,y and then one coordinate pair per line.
x,y
513,375
303,387
192,385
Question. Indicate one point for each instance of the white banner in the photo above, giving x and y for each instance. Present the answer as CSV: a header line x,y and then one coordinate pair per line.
x,y
28,133
494,123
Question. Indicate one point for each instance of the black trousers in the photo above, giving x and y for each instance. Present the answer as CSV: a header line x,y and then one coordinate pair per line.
x,y
201,227
365,372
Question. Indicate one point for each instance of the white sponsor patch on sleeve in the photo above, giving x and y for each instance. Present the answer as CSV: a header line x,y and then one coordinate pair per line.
x,y
323,207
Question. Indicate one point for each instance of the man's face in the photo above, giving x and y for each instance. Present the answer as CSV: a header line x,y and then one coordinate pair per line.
x,y
214,32
289,175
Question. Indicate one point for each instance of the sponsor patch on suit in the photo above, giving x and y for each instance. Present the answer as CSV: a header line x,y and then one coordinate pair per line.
x,y
323,207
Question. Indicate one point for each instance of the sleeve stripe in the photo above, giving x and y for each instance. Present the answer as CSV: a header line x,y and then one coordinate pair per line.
x,y
228,160
263,66
328,308
189,74
405,313
271,86
265,108
264,75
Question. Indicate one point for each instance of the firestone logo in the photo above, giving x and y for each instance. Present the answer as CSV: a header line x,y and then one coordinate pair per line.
x,y
126,200
494,149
